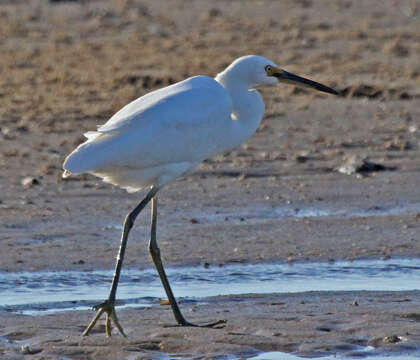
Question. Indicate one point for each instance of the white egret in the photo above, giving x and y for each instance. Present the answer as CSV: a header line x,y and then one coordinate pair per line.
x,y
167,133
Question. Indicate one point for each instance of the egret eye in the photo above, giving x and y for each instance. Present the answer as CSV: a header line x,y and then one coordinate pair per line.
x,y
269,70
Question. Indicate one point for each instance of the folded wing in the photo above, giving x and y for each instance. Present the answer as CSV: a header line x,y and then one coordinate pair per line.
x,y
177,124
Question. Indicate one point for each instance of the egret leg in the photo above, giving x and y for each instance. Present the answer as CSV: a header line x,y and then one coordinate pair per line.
x,y
108,306
155,254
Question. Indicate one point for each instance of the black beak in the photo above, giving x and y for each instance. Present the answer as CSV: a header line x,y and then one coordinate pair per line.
x,y
286,77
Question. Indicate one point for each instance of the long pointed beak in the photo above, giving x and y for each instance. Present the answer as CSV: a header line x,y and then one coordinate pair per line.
x,y
286,77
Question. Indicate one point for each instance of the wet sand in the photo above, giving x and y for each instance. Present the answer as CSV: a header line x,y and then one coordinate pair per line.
x,y
312,324
67,67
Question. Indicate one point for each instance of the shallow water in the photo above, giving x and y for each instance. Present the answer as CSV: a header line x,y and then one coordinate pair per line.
x,y
37,293
366,353
257,214
360,352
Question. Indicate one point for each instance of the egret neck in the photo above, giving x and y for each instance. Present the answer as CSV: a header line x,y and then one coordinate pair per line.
x,y
248,106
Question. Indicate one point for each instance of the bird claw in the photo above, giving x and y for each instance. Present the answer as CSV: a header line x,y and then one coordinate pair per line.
x,y
215,324
101,305
108,308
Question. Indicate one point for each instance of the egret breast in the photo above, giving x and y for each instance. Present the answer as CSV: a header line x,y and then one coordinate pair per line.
x,y
133,179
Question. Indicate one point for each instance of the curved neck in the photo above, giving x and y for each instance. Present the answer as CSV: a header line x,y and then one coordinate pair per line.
x,y
248,106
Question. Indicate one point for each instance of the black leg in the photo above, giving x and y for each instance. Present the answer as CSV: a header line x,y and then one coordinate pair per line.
x,y
109,305
155,254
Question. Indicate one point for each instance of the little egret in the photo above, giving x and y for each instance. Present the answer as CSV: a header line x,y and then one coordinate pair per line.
x,y
167,133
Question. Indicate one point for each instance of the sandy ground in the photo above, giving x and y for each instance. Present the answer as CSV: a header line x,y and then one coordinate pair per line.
x,y
67,67
311,324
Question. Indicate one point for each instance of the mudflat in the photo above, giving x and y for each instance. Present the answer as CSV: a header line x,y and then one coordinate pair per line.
x,y
324,178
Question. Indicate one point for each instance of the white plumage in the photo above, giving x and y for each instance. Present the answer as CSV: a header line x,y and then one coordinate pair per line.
x,y
166,133
160,136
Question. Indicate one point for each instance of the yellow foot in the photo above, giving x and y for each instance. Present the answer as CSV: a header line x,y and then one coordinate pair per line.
x,y
108,308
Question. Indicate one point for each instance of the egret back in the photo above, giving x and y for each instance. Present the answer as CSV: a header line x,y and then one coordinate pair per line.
x,y
182,123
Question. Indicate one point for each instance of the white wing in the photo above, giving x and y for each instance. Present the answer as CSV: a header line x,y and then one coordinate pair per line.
x,y
184,122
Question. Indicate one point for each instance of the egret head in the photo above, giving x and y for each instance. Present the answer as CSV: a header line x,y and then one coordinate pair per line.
x,y
249,70
256,70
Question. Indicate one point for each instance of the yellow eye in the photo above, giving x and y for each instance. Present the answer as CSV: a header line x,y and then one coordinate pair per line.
x,y
269,70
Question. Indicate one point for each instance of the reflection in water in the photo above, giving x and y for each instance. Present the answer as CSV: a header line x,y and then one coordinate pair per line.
x,y
40,292
366,354
261,214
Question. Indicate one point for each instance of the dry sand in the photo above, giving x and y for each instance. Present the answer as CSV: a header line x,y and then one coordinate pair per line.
x,y
67,67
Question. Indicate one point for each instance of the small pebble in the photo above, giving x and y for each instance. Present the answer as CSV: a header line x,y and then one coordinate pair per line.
x,y
393,339
29,181
27,350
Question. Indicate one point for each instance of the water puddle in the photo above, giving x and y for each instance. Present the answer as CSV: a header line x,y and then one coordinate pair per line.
x,y
360,352
263,213
37,293
366,353
259,214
